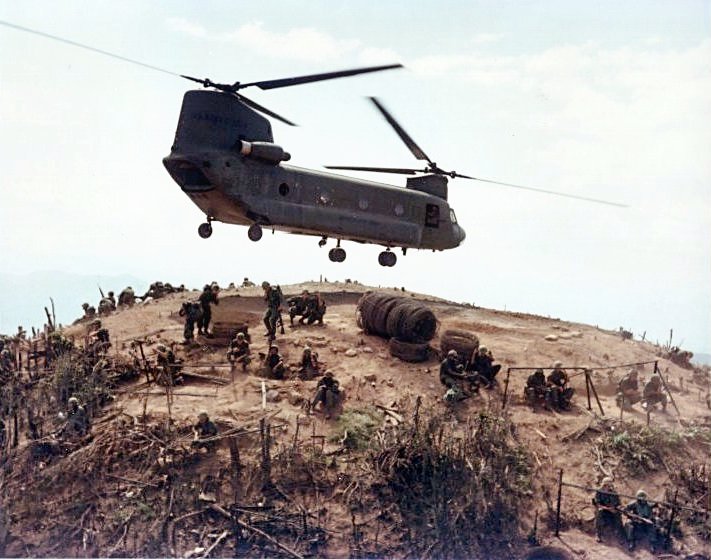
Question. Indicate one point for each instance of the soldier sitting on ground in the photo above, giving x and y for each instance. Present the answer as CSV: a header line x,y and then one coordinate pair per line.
x,y
653,394
628,390
297,306
607,504
89,311
327,393
168,367
536,388
274,364
483,364
204,429
641,522
77,419
127,297
559,393
238,351
308,367
452,376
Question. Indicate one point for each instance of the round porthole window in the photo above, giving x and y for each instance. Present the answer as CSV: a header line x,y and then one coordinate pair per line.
x,y
283,189
363,204
399,210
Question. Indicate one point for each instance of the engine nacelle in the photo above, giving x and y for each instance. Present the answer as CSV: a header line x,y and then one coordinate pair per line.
x,y
264,151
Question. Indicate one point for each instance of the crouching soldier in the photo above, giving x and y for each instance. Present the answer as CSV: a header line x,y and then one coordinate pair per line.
x,y
536,388
297,306
203,431
628,390
607,504
327,393
483,364
452,376
274,364
238,352
315,309
641,521
654,394
77,419
168,367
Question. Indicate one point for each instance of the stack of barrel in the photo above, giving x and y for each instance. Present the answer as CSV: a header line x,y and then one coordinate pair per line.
x,y
409,324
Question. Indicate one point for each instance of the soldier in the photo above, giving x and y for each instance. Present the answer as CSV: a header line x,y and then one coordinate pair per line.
x,y
328,393
483,364
274,363
168,372
204,429
77,418
653,394
452,376
100,339
628,390
273,298
308,368
191,312
246,283
21,333
238,351
89,311
112,299
607,504
208,296
559,393
641,521
536,388
127,297
297,306
105,306
315,309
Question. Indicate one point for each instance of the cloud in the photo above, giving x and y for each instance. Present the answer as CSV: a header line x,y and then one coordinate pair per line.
x,y
182,25
483,38
299,43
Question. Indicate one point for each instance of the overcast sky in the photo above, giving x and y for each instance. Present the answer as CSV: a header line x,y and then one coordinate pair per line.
x,y
608,100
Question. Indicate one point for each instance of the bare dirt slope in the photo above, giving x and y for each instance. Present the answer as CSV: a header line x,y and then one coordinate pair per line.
x,y
371,376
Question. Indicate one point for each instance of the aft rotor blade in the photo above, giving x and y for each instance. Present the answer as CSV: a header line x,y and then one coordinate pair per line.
x,y
404,136
285,82
556,193
262,109
397,170
86,47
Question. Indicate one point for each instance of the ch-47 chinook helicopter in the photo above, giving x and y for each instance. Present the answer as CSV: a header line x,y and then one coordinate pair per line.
x,y
225,160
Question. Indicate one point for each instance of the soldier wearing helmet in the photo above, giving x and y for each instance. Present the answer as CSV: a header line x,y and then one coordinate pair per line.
x,y
77,418
452,376
559,393
641,522
628,393
89,311
207,297
483,365
127,297
272,296
309,367
274,363
203,430
607,504
536,388
168,370
238,351
327,393
653,394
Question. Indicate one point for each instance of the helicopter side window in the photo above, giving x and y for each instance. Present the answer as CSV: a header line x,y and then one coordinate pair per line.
x,y
452,217
283,189
432,216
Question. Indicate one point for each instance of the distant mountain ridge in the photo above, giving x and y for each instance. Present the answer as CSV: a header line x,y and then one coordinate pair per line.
x,y
702,358
24,296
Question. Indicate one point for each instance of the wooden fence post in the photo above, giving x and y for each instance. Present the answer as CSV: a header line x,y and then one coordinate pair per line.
x,y
557,510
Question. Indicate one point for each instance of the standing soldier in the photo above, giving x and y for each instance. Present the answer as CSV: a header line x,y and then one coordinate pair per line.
x,y
271,315
192,313
238,352
208,296
607,504
112,300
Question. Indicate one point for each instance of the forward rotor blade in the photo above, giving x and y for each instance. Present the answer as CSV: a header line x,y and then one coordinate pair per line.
x,y
264,110
285,82
397,170
86,47
556,193
404,136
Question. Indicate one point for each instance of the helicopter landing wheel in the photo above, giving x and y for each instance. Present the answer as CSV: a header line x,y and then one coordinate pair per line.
x,y
337,254
387,258
322,241
255,232
205,230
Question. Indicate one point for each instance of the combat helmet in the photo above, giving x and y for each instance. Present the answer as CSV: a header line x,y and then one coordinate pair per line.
x,y
641,495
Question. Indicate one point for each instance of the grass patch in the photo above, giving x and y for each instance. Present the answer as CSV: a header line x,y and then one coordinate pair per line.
x,y
356,427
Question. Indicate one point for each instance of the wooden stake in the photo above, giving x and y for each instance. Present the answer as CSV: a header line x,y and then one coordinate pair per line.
x,y
557,511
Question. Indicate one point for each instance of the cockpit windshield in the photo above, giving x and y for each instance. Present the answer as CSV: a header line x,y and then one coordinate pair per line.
x,y
452,216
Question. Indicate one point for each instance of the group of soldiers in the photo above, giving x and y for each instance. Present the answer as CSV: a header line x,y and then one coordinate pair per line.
x,y
553,392
200,313
310,308
640,521
629,394
127,298
463,377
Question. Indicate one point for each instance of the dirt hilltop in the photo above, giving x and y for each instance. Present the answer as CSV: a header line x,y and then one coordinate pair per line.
x,y
123,494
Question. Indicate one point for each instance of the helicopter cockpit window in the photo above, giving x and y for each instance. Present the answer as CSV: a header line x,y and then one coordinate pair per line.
x,y
432,215
283,189
452,217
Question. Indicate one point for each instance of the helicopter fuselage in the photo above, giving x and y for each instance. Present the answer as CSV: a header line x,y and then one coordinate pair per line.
x,y
233,185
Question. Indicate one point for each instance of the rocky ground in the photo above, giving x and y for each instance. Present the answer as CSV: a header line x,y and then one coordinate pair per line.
x,y
579,441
